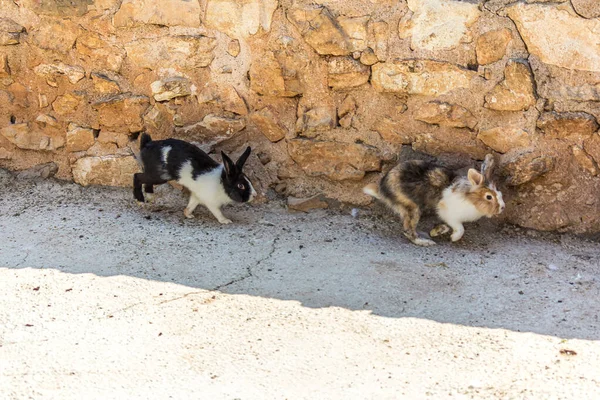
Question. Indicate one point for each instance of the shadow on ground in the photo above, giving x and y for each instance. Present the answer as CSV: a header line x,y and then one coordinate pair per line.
x,y
496,278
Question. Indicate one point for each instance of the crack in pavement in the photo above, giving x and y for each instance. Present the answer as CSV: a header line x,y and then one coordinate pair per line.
x,y
28,252
249,273
112,314
23,260
184,296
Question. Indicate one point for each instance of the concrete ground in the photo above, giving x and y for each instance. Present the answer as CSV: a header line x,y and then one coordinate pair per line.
x,y
102,299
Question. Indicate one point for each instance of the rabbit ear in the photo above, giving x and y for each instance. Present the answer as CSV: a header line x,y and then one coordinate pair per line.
x,y
487,168
228,164
242,160
475,177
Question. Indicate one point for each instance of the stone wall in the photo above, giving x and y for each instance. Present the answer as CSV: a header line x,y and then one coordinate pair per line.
x,y
328,92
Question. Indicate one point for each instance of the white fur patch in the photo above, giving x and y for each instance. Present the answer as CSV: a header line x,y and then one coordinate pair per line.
x,y
253,192
371,191
456,208
206,187
500,199
165,153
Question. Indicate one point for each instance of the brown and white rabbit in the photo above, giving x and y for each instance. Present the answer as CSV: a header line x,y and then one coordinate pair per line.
x,y
210,183
414,187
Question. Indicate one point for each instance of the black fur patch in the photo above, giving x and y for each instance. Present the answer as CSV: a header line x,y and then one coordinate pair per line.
x,y
423,182
159,171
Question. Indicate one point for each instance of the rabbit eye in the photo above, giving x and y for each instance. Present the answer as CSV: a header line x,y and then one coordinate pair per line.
x,y
241,186
489,197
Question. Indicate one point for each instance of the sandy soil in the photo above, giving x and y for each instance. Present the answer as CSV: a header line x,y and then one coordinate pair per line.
x,y
102,299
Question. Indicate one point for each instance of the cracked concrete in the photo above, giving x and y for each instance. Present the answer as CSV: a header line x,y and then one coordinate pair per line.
x,y
249,268
101,299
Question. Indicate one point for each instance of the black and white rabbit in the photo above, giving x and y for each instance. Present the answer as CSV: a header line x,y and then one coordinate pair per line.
x,y
414,187
210,183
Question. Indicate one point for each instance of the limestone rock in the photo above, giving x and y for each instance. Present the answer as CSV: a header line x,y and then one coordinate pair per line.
x,y
212,130
267,78
520,168
445,114
55,34
4,68
393,132
225,96
169,88
568,125
381,32
58,8
157,120
585,160
439,24
368,57
6,100
42,101
111,6
122,113
79,139
335,160
559,84
120,139
186,52
158,12
66,104
10,32
45,120
348,106
100,53
487,74
25,138
592,147
355,29
515,92
420,77
503,139
239,18
454,142
315,120
105,85
100,149
74,73
344,72
492,45
44,171
106,170
346,112
20,94
220,125
587,8
306,204
266,120
5,154
233,48
557,36
320,31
